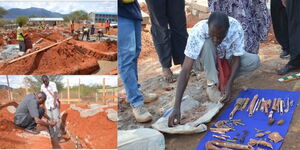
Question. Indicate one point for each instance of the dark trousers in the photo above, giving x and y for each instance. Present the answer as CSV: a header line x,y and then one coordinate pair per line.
x,y
286,23
280,23
168,30
87,36
26,121
293,14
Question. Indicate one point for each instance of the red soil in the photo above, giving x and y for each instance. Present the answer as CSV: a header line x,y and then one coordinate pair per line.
x,y
93,132
13,137
61,59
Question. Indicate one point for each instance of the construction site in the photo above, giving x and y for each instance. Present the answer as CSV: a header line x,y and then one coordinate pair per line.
x,y
151,80
88,113
54,49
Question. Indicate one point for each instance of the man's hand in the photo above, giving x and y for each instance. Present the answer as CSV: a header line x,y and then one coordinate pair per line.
x,y
174,118
52,123
226,93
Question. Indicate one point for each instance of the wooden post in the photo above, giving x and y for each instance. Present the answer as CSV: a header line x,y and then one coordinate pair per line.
x,y
103,91
68,91
79,89
96,97
9,92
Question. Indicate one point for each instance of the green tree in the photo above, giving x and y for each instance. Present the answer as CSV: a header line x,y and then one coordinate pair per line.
x,y
35,82
78,15
2,12
22,19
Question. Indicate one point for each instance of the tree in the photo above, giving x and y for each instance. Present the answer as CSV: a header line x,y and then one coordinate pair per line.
x,y
35,82
22,19
78,15
2,12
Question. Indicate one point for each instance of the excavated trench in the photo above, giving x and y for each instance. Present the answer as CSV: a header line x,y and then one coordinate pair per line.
x,y
87,127
69,57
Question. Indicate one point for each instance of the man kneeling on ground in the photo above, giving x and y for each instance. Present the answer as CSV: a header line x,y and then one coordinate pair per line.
x,y
218,37
29,113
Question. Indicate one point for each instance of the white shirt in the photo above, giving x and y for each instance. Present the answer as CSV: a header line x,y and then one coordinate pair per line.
x,y
50,99
232,44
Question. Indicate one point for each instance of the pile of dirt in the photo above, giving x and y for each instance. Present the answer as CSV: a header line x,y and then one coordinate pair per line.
x,y
100,50
13,137
92,132
61,59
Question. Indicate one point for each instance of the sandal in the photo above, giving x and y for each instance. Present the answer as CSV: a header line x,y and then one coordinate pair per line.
x,y
168,75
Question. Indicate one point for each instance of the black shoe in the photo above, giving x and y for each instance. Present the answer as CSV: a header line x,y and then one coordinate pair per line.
x,y
32,131
286,69
284,54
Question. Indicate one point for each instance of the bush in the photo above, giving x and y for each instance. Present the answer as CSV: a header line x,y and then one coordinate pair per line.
x,y
22,19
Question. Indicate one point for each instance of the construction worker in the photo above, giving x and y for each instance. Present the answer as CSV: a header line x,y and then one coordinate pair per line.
x,y
215,43
29,113
52,105
92,30
72,27
20,38
107,26
85,33
100,33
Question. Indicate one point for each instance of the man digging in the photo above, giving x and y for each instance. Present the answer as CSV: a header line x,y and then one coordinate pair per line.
x,y
52,105
218,45
29,113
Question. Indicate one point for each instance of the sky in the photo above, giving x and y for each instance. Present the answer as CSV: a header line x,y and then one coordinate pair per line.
x,y
65,6
16,81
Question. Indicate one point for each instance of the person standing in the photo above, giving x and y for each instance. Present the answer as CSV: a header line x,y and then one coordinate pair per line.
x,y
253,16
129,48
169,33
20,38
52,105
107,26
286,21
72,27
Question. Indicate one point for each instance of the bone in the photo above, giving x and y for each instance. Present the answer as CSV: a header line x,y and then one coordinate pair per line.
x,y
286,110
231,145
256,105
274,104
259,103
281,107
219,137
245,103
251,106
238,105
263,104
278,105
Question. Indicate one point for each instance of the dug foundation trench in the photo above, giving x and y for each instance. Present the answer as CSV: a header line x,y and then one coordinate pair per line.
x,y
92,130
65,57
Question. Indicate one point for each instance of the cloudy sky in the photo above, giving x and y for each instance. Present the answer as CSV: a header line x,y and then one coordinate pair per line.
x,y
65,6
17,81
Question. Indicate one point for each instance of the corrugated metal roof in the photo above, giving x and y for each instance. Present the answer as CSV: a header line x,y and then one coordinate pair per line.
x,y
46,19
105,13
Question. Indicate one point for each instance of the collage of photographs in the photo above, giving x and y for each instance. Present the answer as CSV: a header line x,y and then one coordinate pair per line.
x,y
150,74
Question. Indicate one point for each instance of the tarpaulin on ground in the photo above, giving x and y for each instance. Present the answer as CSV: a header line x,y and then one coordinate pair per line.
x,y
259,119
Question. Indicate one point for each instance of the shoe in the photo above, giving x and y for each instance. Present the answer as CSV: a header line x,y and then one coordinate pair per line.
x,y
286,69
284,54
141,114
213,93
149,97
32,131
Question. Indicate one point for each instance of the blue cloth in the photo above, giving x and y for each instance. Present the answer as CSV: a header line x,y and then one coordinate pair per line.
x,y
129,48
259,119
131,10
